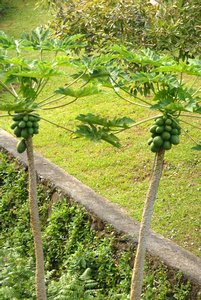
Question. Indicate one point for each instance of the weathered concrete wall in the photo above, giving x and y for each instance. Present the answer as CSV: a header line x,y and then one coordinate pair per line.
x,y
158,246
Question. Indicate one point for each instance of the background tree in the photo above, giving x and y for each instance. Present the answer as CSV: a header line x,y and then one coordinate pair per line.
x,y
173,26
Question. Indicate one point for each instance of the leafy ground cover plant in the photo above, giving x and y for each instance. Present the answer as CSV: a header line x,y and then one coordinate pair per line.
x,y
80,263
161,77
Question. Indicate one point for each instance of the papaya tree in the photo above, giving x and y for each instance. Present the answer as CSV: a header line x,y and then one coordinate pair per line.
x,y
158,83
22,81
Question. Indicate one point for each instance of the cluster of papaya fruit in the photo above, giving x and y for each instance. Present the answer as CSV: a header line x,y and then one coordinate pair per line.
x,y
25,125
164,133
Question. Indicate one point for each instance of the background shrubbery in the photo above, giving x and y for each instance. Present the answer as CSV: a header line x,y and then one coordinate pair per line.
x,y
173,26
3,6
101,21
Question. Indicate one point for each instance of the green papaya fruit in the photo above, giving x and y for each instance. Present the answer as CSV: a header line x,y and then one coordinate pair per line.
x,y
21,146
17,131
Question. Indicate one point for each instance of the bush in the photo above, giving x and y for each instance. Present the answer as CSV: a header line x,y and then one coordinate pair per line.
x,y
3,6
173,25
102,21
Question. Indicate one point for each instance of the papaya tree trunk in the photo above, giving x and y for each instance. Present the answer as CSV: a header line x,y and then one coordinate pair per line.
x,y
138,269
35,224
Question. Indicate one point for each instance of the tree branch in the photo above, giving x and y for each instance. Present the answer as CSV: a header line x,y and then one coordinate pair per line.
x,y
57,125
138,123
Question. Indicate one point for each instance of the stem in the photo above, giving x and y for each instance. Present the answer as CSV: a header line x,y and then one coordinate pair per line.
x,y
8,90
186,133
190,137
39,85
127,100
42,86
138,269
190,116
4,116
58,106
57,125
193,82
144,101
181,78
14,91
71,83
35,224
51,101
138,123
197,91
190,124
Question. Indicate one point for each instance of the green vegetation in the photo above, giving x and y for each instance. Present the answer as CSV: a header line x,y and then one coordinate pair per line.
x,y
81,264
120,168
165,27
165,133
3,7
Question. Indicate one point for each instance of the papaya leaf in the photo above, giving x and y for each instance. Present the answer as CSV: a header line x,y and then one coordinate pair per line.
x,y
197,148
198,109
121,122
18,106
181,68
98,76
6,42
96,134
94,63
163,79
107,124
92,119
38,69
61,45
63,60
111,139
142,57
168,105
37,39
79,93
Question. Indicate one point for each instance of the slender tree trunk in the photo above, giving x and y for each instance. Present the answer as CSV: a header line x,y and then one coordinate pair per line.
x,y
35,224
138,269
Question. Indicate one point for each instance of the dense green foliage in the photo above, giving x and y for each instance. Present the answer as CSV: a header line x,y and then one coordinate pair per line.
x,y
101,21
79,263
175,27
137,23
3,6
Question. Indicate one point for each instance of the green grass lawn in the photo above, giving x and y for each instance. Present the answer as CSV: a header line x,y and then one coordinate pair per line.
x,y
121,175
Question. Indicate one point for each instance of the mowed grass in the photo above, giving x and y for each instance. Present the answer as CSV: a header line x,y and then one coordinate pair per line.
x,y
121,175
